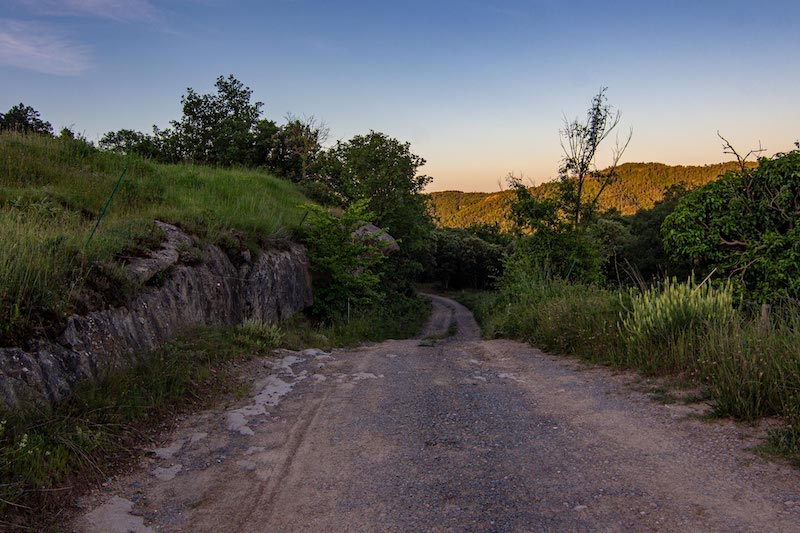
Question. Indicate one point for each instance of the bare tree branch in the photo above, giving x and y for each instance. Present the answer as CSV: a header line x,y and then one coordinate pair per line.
x,y
729,149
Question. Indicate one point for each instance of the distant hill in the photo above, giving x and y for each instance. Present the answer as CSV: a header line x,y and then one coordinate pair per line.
x,y
640,185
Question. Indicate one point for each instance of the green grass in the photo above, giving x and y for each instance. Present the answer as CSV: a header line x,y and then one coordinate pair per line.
x,y
51,191
692,333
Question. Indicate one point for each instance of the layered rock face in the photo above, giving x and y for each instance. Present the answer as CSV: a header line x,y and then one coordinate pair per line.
x,y
270,287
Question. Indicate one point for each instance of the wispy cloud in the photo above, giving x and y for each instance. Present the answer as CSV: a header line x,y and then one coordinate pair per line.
x,y
120,10
38,47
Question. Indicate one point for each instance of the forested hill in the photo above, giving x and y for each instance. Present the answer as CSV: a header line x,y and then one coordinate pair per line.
x,y
639,186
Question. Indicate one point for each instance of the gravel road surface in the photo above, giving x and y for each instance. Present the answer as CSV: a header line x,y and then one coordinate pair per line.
x,y
448,434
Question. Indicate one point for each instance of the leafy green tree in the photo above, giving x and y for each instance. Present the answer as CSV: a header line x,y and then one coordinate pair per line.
x,y
384,172
218,128
461,259
126,141
295,147
264,133
559,230
746,227
547,239
643,254
24,119
346,269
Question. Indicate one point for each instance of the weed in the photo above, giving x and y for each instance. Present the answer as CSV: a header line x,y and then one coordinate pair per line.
x,y
259,335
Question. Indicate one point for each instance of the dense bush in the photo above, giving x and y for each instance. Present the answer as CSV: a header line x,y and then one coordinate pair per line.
x,y
460,259
746,227
346,269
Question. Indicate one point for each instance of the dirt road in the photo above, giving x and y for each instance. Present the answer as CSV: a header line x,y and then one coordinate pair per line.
x,y
454,434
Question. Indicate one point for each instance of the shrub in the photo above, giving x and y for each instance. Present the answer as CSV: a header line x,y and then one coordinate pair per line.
x,y
345,269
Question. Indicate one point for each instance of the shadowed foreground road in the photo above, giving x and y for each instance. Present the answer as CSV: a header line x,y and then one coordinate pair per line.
x,y
454,434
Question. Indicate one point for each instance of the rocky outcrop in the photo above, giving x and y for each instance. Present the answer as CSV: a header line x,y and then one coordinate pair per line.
x,y
373,234
270,287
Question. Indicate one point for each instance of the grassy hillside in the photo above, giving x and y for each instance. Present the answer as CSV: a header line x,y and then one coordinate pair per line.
x,y
51,191
640,185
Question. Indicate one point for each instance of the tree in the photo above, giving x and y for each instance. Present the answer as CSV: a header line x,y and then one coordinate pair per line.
x,y
383,171
24,119
580,142
217,128
558,231
264,141
295,147
459,258
643,255
745,226
126,141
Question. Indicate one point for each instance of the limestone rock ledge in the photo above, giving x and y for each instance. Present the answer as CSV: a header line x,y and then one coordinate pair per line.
x,y
270,287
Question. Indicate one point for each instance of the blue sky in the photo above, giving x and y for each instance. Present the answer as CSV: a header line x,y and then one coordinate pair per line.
x,y
480,89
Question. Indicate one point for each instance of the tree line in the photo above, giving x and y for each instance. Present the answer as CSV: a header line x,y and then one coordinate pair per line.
x,y
735,222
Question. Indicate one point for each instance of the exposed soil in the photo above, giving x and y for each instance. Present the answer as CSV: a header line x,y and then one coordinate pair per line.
x,y
448,434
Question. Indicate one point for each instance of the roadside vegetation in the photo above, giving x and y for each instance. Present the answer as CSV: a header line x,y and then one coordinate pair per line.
x,y
702,286
230,177
47,456
223,173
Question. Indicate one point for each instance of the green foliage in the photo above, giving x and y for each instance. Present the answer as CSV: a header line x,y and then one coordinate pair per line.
x,y
258,335
745,226
225,128
217,128
571,254
345,268
644,251
530,305
384,172
547,240
293,149
127,141
51,191
461,259
638,187
24,119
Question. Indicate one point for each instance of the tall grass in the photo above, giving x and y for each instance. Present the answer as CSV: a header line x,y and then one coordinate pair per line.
x,y
51,191
661,323
750,369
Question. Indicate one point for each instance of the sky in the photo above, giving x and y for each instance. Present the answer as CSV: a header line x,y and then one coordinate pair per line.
x,y
479,89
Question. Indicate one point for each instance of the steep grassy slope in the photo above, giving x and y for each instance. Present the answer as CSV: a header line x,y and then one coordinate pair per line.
x,y
51,191
639,186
